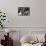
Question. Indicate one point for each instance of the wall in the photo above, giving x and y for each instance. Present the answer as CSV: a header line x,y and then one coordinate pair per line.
x,y
39,13
37,19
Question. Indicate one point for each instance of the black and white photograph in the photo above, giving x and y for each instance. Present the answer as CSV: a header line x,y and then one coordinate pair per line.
x,y
23,11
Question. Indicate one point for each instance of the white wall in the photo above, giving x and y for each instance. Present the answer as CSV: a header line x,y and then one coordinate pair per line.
x,y
39,13
37,19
